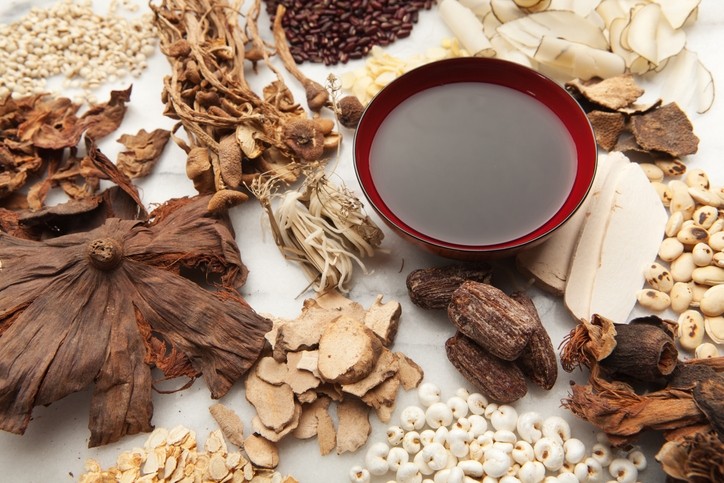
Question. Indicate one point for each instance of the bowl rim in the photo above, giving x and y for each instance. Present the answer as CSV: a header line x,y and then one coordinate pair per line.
x,y
485,70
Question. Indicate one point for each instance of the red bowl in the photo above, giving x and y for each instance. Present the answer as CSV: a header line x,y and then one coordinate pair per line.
x,y
545,92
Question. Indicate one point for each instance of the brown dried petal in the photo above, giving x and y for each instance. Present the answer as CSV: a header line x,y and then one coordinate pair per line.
x,y
142,152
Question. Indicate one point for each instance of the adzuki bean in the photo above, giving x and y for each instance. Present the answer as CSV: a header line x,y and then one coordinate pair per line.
x,y
336,31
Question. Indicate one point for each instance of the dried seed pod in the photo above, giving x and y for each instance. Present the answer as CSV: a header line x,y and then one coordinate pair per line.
x,y
705,196
674,223
682,268
492,319
702,254
672,167
644,350
716,241
432,288
681,296
710,275
692,234
698,178
538,360
500,380
705,216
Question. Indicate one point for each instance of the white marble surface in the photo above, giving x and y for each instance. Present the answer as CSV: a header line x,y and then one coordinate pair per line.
x,y
54,446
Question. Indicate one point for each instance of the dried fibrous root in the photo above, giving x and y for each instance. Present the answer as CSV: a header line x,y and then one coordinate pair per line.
x,y
322,226
588,342
699,458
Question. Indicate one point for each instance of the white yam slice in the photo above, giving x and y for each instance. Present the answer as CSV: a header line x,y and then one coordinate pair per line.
x,y
353,427
582,8
490,25
679,12
687,82
579,60
505,10
466,27
549,262
480,7
610,10
632,239
506,51
348,351
651,35
616,30
586,256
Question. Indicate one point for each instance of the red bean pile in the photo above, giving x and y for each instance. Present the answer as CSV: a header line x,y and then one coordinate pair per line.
x,y
333,31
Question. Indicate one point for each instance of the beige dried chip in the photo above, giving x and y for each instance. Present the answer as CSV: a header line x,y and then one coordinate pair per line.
x,y
613,93
386,366
607,127
311,415
229,422
271,371
667,130
354,425
410,374
274,404
261,451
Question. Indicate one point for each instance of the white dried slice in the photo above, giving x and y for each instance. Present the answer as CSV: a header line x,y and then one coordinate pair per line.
x,y
587,254
480,7
582,8
637,209
679,12
507,51
610,10
562,24
687,82
616,29
466,27
579,60
505,11
651,35
490,26
527,3
261,451
353,425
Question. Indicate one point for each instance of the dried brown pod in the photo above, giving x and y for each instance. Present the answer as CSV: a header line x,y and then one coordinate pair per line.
x,y
102,307
492,319
607,127
432,288
666,130
643,352
538,360
501,380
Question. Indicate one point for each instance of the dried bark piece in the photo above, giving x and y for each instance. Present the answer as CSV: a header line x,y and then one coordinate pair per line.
x,y
492,319
667,130
229,423
59,337
383,319
432,288
347,351
142,151
312,413
274,405
261,451
501,380
607,127
386,366
410,373
538,360
613,93
353,425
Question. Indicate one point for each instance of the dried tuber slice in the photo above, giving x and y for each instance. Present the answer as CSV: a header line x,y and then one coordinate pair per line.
x,y
261,452
348,351
274,404
613,93
354,425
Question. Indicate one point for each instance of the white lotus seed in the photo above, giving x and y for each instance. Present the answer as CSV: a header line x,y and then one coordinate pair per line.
x,y
569,477
504,417
357,474
419,461
438,414
408,473
505,436
441,435
459,407
376,458
508,479
412,418
471,468
623,470
549,452
522,452
489,410
428,393
462,423
411,442
555,427
532,472
478,425
435,455
496,463
477,403
475,450
638,458
395,435
396,457
426,437
575,450
588,470
460,449
462,393
602,453
529,426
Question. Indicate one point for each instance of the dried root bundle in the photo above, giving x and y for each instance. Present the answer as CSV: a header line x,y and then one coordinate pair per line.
x,y
322,226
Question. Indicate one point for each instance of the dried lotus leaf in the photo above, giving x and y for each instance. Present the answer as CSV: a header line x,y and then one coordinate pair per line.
x,y
607,127
613,93
667,130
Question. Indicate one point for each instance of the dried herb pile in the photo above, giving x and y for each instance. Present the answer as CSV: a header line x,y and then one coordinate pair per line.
x,y
636,384
101,307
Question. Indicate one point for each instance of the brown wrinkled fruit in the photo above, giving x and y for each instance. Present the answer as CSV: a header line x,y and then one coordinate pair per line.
x,y
501,380
432,288
538,360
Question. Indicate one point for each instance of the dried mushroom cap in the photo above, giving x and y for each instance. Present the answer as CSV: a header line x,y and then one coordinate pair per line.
x,y
607,127
70,322
350,111
667,130
304,138
613,93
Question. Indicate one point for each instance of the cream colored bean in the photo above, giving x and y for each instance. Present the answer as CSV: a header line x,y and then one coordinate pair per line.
x,y
718,259
705,197
705,216
719,192
692,234
682,267
702,254
697,178
708,275
681,200
671,167
706,350
712,303
670,249
654,300
681,297
715,328
716,241
674,224
697,291
691,329
717,227
659,277
663,191
652,172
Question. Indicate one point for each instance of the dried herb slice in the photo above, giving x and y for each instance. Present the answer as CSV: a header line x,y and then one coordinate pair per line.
x,y
101,307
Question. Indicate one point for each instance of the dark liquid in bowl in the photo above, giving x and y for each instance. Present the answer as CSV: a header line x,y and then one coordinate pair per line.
x,y
473,163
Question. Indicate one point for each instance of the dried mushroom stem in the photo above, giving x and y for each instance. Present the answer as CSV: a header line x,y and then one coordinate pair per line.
x,y
317,95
